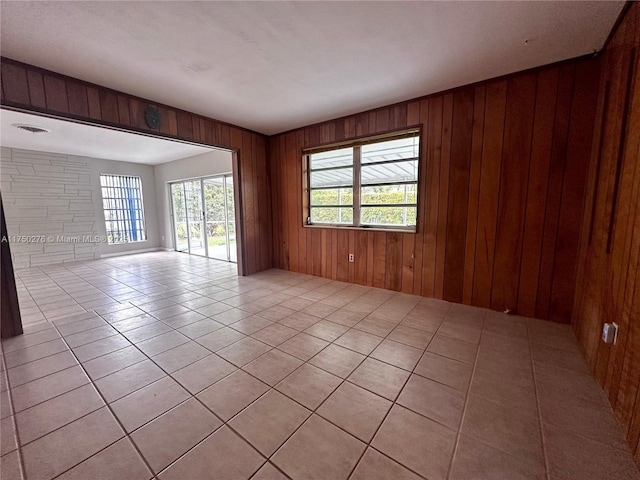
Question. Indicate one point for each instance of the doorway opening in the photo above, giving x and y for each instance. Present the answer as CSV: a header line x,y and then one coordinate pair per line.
x,y
203,213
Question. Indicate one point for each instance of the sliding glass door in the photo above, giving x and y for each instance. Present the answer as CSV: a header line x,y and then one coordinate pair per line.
x,y
195,217
180,231
204,218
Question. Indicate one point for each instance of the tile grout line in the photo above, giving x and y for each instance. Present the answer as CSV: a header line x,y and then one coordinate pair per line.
x,y
108,406
394,402
312,411
466,401
344,380
16,435
257,399
194,396
329,343
538,407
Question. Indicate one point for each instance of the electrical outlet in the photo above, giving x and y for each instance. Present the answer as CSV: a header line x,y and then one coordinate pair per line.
x,y
351,257
610,333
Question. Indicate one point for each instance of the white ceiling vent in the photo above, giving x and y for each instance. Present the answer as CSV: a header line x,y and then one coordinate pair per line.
x,y
31,128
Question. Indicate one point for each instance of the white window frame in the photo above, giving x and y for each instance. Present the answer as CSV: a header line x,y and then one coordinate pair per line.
x,y
119,184
356,184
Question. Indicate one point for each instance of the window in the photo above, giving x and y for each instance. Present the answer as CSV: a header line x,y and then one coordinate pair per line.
x,y
371,183
123,210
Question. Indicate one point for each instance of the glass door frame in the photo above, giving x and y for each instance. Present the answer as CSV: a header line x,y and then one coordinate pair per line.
x,y
203,215
174,224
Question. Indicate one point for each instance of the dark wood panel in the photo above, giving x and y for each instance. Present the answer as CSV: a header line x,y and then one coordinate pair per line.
x,y
15,85
393,258
474,193
578,148
78,103
55,92
516,153
458,198
554,189
379,259
342,250
608,280
109,105
36,89
93,100
416,111
123,111
489,191
431,113
443,194
360,259
408,262
547,91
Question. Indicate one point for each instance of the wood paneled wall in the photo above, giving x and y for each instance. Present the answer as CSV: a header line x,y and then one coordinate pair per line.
x,y
501,186
41,91
608,288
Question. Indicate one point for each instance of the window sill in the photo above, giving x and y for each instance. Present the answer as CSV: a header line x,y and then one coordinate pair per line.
x,y
412,230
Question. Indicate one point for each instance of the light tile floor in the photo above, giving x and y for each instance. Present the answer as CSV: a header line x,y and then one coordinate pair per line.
x,y
168,366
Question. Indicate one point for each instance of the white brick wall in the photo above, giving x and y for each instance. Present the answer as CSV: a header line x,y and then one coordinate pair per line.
x,y
48,194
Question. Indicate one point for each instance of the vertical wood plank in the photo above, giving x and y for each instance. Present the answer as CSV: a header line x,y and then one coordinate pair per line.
x,y
474,191
296,207
352,265
415,115
360,259
93,99
382,120
458,198
343,256
136,115
443,207
334,254
109,105
571,203
292,200
393,261
537,197
185,125
78,103
432,113
521,94
15,85
55,91
408,259
123,111
173,125
554,188
248,191
379,259
495,110
370,257
36,88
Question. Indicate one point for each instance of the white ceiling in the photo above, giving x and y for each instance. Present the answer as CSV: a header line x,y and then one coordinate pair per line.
x,y
274,66
85,140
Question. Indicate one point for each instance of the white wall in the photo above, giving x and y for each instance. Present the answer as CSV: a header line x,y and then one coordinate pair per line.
x,y
48,205
58,197
215,162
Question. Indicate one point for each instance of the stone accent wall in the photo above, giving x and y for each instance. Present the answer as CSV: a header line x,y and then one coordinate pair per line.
x,y
49,208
